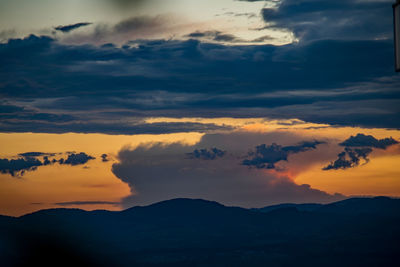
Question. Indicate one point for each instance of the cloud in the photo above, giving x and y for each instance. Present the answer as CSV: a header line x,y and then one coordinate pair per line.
x,y
205,154
30,161
140,27
361,140
356,148
141,23
344,19
123,4
35,154
215,36
112,128
18,167
349,158
76,159
71,27
163,171
104,158
170,78
265,157
6,35
218,36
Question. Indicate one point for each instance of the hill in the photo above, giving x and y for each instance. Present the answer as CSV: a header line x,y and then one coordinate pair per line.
x,y
195,232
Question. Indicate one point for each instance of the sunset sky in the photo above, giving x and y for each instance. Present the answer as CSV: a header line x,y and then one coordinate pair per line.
x,y
108,104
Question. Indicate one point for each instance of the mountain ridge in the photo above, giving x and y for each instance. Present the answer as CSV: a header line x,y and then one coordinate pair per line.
x,y
196,232
180,201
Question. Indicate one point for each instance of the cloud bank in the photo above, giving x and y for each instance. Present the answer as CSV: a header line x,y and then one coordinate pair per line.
x,y
163,171
340,72
121,86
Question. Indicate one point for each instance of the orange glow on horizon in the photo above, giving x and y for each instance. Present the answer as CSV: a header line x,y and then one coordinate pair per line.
x,y
95,181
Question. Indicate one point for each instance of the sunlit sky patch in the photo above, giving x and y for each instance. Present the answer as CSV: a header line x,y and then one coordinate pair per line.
x,y
225,21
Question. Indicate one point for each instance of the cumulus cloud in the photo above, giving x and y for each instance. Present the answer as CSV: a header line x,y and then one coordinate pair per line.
x,y
76,159
265,156
358,148
30,161
159,171
362,140
18,167
349,158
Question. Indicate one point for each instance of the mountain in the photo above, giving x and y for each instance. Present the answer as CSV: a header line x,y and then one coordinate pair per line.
x,y
299,207
195,232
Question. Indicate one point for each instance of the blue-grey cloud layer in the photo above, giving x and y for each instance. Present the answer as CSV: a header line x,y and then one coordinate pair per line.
x,y
339,73
340,19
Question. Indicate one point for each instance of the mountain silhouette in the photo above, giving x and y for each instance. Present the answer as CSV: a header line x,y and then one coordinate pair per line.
x,y
195,232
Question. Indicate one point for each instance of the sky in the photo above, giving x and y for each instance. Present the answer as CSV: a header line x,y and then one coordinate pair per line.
x,y
110,104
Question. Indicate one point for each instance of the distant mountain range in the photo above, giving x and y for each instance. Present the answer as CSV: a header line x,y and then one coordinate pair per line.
x,y
195,232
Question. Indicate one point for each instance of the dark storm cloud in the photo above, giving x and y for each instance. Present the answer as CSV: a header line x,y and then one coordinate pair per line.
x,y
357,148
342,19
265,157
362,140
206,154
71,27
76,159
48,86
